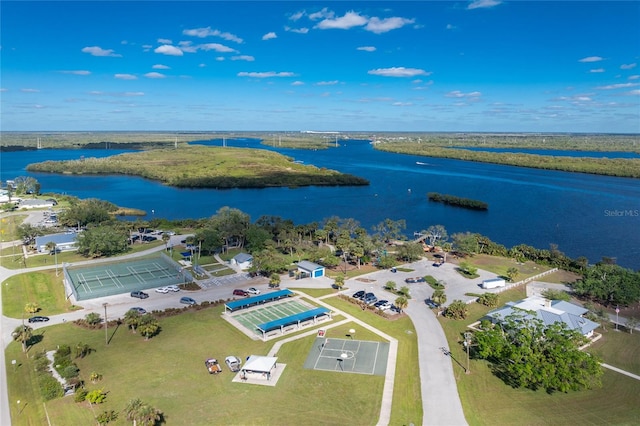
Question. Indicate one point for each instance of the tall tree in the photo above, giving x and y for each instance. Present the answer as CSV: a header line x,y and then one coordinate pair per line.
x,y
436,234
401,303
132,319
148,326
22,334
389,230
439,297
527,353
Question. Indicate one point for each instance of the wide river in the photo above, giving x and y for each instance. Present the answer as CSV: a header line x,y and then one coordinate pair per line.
x,y
585,215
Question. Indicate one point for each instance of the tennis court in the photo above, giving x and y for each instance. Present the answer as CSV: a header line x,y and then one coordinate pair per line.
x,y
107,279
348,356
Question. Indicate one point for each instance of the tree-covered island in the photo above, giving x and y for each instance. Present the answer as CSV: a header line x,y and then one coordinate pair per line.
x,y
206,167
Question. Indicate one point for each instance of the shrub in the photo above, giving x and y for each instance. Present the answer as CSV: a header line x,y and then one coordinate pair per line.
x,y
81,395
69,371
41,362
50,388
96,396
63,350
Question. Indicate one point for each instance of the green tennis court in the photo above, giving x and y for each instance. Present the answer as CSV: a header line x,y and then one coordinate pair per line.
x,y
348,356
107,279
250,319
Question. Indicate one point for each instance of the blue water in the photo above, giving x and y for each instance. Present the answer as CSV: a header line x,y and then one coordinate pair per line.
x,y
557,152
585,215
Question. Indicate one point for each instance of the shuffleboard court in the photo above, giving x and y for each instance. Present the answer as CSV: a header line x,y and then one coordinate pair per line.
x,y
348,356
107,279
251,318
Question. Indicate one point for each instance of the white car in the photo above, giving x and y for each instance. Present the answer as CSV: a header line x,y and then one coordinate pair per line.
x,y
162,290
253,290
172,288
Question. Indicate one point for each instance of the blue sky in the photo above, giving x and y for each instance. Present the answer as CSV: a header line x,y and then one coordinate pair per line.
x,y
484,65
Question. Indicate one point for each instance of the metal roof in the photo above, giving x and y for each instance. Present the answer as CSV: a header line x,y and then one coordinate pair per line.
x,y
293,319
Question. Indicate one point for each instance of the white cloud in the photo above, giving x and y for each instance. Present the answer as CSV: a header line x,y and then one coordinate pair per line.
x,y
133,94
296,16
269,36
459,94
154,75
591,59
634,92
219,58
398,72
349,20
217,47
125,77
165,41
243,58
167,49
28,90
202,65
208,32
366,48
297,30
597,70
480,4
379,26
187,46
325,13
98,51
160,67
627,66
402,103
265,74
327,83
451,27
617,86
297,83
76,72
634,77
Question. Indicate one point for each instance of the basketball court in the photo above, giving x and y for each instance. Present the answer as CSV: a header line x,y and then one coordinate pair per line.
x,y
107,279
348,356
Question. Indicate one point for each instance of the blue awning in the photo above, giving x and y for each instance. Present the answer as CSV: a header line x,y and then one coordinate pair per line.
x,y
260,298
293,319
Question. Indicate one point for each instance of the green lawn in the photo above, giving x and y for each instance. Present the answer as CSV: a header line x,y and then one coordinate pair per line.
x,y
42,287
168,372
500,265
488,401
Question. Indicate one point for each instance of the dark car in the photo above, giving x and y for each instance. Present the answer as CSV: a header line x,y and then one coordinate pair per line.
x,y
239,292
370,299
414,280
187,300
394,308
138,309
359,294
39,318
139,294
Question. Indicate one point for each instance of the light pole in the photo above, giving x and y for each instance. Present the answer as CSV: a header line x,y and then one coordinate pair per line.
x,y
106,333
617,312
55,255
467,343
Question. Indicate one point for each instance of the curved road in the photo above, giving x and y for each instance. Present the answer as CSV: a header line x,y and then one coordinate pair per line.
x,y
440,399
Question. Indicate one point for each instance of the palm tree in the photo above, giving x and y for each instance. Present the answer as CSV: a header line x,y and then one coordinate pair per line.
x,y
132,410
22,334
631,323
149,416
148,326
401,302
439,297
132,319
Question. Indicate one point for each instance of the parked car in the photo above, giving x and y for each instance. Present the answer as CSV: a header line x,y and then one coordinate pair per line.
x,y
253,290
162,290
383,305
233,362
359,294
139,294
414,280
430,303
187,300
240,292
140,310
38,318
173,288
370,299
394,308
212,366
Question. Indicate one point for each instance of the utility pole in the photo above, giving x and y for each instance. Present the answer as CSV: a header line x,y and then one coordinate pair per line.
x,y
106,333
467,343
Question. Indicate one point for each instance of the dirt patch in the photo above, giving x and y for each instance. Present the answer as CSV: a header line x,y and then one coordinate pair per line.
x,y
366,280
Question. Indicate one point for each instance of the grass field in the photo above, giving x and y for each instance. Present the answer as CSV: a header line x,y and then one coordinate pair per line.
x,y
488,401
42,287
500,265
168,372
